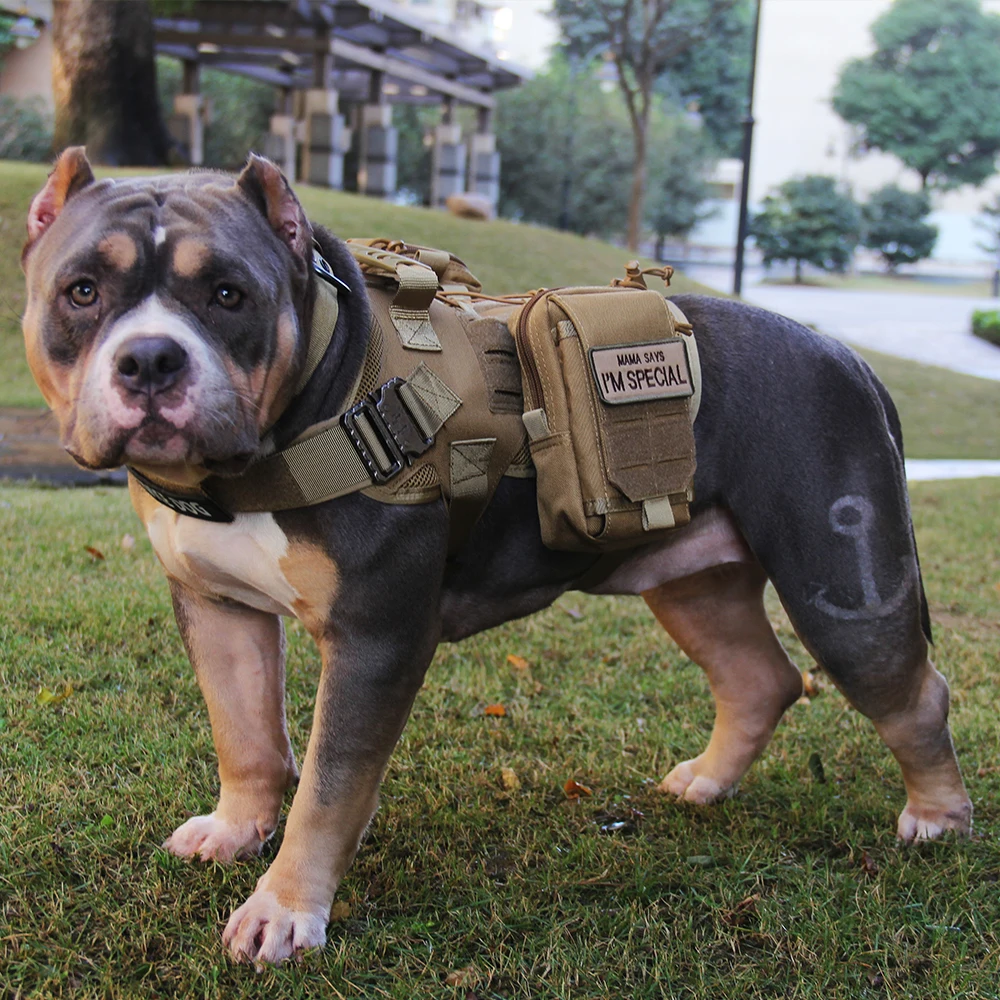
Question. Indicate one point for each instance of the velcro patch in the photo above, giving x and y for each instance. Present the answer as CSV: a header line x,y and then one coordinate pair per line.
x,y
635,373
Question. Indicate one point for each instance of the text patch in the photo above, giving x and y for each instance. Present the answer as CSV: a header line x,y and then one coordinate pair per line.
x,y
633,373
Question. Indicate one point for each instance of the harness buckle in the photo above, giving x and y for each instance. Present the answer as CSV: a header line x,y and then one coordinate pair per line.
x,y
385,432
373,440
401,423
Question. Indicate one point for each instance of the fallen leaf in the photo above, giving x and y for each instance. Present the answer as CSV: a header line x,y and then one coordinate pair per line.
x,y
95,553
811,684
744,911
868,865
509,779
128,542
574,613
461,977
803,701
46,696
702,860
574,790
340,911
517,662
497,711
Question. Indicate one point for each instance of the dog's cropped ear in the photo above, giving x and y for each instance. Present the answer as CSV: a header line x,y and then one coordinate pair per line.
x,y
71,174
265,185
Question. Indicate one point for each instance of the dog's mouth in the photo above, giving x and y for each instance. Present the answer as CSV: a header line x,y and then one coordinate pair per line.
x,y
158,442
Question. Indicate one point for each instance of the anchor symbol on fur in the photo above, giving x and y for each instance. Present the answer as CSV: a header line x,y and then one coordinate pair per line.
x,y
853,516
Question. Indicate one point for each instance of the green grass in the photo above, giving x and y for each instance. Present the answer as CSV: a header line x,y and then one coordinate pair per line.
x,y
945,415
794,888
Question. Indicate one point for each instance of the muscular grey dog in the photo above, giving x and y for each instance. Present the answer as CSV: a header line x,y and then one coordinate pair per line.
x,y
166,324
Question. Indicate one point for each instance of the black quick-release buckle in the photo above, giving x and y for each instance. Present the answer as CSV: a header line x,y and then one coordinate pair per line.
x,y
322,268
383,419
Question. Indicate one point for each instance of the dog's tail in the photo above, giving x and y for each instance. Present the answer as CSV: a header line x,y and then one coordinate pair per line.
x,y
896,430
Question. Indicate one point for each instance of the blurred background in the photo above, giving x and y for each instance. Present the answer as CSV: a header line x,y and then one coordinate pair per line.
x,y
875,125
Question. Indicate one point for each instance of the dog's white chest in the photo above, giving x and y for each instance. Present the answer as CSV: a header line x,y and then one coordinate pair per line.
x,y
240,561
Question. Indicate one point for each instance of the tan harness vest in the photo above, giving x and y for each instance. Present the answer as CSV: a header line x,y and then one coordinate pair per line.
x,y
438,408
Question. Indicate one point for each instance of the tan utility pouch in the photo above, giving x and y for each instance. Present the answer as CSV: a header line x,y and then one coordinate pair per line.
x,y
610,377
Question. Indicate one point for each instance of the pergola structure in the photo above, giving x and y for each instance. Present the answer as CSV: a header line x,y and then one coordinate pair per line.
x,y
328,58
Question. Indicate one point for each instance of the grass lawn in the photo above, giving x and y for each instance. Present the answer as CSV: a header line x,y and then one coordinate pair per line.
x,y
794,888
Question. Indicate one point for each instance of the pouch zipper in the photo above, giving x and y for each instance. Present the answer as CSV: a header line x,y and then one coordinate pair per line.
x,y
524,349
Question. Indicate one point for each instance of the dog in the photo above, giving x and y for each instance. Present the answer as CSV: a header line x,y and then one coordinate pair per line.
x,y
166,326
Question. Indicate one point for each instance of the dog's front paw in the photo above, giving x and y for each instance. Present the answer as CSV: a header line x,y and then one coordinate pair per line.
x,y
213,839
924,823
686,783
263,931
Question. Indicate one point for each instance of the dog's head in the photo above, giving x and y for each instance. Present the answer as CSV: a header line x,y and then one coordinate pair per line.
x,y
164,319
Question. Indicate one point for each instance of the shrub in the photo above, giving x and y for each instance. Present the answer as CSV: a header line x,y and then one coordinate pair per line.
x,y
986,324
894,225
808,220
25,130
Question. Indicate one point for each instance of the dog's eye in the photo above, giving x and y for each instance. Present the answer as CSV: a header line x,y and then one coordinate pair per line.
x,y
228,297
83,293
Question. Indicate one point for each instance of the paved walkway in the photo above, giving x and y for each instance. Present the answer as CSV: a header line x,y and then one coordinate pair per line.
x,y
921,470
932,329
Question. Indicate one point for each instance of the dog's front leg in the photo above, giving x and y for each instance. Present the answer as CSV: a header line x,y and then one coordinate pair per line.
x,y
364,698
238,654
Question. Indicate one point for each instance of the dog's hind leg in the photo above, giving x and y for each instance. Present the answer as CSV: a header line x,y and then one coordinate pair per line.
x,y
857,604
717,617
238,654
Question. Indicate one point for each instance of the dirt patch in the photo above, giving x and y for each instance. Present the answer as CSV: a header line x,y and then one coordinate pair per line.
x,y
30,449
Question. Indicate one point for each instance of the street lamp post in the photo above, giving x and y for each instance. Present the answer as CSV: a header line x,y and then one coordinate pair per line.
x,y
741,234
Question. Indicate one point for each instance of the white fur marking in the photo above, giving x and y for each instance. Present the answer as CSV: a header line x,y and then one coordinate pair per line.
x,y
241,561
159,235
208,380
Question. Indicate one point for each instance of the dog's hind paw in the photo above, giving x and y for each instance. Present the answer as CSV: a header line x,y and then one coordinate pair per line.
x,y
685,782
213,839
923,823
265,932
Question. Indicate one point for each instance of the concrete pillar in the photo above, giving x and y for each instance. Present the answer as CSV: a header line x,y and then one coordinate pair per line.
x,y
327,138
484,167
377,161
448,158
284,134
187,123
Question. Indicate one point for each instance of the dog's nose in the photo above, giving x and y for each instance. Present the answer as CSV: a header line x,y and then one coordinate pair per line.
x,y
150,364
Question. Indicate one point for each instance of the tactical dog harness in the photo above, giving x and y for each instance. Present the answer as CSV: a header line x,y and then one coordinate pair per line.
x,y
594,390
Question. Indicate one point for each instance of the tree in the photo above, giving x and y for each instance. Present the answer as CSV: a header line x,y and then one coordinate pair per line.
x,y
564,146
104,79
893,223
711,77
644,37
930,93
809,221
680,162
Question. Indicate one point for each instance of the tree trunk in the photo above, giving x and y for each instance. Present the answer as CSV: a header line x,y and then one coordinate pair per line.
x,y
798,271
104,79
658,248
638,185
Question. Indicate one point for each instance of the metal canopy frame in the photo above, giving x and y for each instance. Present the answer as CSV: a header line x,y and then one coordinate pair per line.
x,y
339,44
